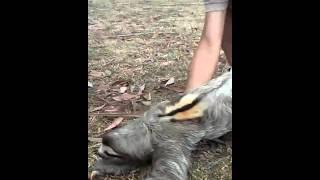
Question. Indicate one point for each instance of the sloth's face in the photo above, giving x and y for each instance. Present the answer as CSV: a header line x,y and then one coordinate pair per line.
x,y
133,140
130,142
128,147
131,146
124,149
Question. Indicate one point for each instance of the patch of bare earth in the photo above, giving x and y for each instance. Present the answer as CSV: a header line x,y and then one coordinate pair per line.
x,y
135,47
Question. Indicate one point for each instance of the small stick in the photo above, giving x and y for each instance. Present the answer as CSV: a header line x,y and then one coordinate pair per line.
x,y
93,146
115,115
180,4
139,34
218,141
92,139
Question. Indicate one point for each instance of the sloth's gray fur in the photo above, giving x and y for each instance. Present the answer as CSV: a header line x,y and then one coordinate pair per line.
x,y
167,145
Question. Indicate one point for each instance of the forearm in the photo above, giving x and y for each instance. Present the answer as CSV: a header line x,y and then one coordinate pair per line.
x,y
204,64
206,56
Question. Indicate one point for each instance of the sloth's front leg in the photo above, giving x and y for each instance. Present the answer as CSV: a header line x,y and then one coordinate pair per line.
x,y
104,167
170,163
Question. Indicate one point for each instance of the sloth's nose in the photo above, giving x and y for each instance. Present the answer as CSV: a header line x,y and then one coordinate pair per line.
x,y
101,152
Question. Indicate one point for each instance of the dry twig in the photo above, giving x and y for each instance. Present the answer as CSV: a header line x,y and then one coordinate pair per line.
x,y
115,115
139,34
92,139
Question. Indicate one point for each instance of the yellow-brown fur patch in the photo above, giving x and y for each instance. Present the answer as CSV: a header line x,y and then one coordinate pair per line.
x,y
188,99
194,112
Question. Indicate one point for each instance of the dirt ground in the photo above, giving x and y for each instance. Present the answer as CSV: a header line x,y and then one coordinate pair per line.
x,y
135,47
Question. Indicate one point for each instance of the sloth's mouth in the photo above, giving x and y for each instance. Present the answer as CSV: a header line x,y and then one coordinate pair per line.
x,y
106,152
102,155
106,155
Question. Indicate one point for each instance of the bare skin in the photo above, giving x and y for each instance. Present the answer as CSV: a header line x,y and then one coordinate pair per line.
x,y
216,34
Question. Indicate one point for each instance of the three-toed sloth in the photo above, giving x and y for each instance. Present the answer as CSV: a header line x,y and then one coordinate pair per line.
x,y
167,133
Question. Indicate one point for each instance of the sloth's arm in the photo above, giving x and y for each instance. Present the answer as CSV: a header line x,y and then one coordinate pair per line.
x,y
170,162
103,167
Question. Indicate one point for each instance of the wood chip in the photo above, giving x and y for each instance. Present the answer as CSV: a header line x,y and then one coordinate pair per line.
x,y
170,81
115,123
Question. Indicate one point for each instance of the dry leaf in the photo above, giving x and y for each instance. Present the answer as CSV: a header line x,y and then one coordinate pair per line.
x,y
141,89
170,81
107,72
117,98
96,74
146,103
90,84
127,96
161,80
103,87
124,97
147,96
97,108
120,83
112,109
123,90
166,63
114,123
